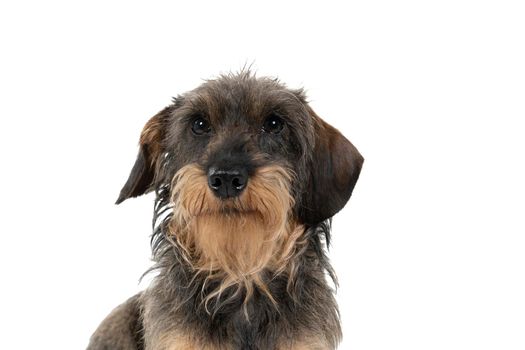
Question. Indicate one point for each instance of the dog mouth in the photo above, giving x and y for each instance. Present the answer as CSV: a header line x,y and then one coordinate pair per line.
x,y
227,208
234,211
266,198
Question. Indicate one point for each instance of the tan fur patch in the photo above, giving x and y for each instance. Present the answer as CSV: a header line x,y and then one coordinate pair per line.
x,y
234,240
152,134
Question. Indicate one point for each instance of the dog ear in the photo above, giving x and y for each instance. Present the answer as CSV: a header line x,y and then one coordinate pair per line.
x,y
142,176
335,168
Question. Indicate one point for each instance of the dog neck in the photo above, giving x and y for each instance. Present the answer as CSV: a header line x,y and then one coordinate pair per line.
x,y
299,289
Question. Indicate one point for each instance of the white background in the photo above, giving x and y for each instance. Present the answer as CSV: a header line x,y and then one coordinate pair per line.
x,y
429,251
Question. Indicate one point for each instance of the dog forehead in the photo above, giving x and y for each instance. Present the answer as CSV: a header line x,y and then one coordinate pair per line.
x,y
240,98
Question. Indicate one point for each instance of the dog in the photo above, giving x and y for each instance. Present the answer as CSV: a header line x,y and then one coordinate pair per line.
x,y
247,178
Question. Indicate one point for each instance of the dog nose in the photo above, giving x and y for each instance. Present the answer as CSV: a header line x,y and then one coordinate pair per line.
x,y
226,183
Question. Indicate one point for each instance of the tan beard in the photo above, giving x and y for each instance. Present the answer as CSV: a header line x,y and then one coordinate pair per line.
x,y
235,240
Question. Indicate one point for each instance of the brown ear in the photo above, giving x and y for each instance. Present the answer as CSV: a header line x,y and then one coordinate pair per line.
x,y
335,168
142,176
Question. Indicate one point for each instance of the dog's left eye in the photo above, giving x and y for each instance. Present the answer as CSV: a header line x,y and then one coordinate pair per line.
x,y
273,124
200,126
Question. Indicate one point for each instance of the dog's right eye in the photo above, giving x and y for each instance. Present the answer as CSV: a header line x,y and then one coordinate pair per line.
x,y
273,124
200,126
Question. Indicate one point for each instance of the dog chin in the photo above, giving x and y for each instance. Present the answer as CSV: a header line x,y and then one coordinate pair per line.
x,y
223,208
228,214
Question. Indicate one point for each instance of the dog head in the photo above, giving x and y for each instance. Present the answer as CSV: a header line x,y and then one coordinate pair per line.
x,y
247,164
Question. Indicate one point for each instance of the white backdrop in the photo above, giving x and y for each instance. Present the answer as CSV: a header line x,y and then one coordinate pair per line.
x,y
430,249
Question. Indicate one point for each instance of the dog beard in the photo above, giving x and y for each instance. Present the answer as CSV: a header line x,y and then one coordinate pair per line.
x,y
234,240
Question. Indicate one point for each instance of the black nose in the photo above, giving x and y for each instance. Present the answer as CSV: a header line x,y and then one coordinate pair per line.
x,y
226,183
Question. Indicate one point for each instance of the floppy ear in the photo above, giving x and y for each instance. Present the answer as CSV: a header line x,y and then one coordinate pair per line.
x,y
142,176
334,171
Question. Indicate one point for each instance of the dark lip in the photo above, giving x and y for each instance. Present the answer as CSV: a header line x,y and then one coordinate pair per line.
x,y
228,211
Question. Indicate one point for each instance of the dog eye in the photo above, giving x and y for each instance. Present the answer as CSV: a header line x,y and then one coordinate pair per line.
x,y
200,126
273,124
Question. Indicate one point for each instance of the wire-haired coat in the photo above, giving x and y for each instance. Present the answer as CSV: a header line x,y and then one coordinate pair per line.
x,y
247,178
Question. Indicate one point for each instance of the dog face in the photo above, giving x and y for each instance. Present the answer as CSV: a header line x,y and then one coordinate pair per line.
x,y
247,164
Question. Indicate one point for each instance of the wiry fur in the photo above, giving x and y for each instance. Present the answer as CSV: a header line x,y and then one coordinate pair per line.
x,y
248,272
265,231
